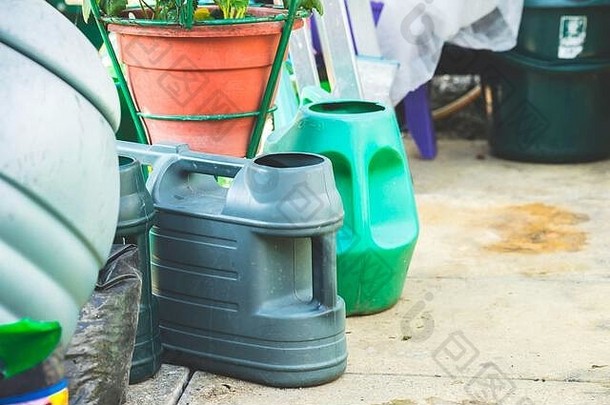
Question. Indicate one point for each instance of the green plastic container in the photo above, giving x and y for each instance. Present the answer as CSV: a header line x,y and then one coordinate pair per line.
x,y
59,181
30,366
548,112
375,245
245,275
136,215
565,29
127,129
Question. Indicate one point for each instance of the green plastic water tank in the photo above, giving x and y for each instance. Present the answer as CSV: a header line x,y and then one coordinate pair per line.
x,y
59,177
565,29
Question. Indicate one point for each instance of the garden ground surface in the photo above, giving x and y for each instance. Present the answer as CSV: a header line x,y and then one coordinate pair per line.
x,y
507,299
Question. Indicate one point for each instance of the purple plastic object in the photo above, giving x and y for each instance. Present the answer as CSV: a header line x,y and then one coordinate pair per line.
x,y
377,6
419,119
416,104
416,110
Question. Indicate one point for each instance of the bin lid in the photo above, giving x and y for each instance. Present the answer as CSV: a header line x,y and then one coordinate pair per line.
x,y
559,66
565,3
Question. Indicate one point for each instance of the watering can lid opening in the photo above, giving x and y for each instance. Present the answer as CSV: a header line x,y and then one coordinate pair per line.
x,y
349,107
289,160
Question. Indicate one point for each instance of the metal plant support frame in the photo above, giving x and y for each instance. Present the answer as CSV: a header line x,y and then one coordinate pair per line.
x,y
186,21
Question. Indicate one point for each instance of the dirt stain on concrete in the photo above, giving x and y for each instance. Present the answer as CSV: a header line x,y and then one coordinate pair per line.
x,y
439,401
537,228
400,402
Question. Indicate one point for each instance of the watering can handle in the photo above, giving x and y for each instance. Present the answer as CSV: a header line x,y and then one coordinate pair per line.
x,y
159,155
323,265
314,94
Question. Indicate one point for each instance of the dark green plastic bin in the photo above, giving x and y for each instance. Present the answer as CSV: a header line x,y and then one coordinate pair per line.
x,y
565,29
548,112
127,129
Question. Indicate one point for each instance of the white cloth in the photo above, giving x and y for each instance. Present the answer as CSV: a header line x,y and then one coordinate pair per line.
x,y
413,32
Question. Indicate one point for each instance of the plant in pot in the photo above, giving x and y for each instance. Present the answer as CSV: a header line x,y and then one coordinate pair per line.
x,y
202,75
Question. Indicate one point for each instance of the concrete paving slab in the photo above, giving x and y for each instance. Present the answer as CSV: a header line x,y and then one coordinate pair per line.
x,y
467,237
507,299
515,215
165,388
530,329
466,168
389,389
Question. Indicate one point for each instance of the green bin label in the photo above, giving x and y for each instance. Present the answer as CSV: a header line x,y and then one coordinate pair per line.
x,y
572,36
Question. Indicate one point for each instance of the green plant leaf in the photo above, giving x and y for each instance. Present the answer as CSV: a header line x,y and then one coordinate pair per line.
x,y
308,5
318,6
240,7
114,7
86,10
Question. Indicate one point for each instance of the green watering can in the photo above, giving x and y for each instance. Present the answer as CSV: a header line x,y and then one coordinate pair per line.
x,y
377,240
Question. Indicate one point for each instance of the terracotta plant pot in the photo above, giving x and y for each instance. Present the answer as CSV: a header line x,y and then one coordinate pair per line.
x,y
207,70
